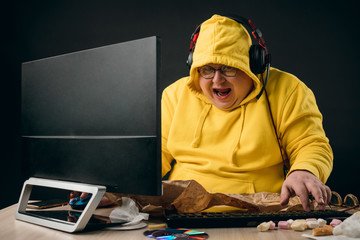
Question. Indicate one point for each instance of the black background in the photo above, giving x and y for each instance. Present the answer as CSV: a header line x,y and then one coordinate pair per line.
x,y
315,40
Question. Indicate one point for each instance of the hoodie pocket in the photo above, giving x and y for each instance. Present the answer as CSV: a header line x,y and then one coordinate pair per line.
x,y
213,183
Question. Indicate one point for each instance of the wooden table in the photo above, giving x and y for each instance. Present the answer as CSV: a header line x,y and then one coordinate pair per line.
x,y
12,229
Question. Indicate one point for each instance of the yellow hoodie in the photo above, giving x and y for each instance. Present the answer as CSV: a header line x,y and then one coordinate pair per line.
x,y
236,151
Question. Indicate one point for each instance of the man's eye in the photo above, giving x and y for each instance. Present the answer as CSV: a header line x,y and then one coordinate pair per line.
x,y
207,68
227,69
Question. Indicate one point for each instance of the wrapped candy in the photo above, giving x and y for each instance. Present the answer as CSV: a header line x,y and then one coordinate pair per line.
x,y
335,222
284,225
264,226
272,225
323,231
312,224
321,222
299,225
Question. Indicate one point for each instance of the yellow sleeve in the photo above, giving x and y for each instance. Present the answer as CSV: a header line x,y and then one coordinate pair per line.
x,y
303,135
169,102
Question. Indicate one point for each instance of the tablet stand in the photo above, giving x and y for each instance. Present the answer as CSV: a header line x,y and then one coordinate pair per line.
x,y
96,191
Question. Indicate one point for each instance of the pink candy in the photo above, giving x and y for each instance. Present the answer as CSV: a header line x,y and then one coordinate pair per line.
x,y
335,222
283,225
272,225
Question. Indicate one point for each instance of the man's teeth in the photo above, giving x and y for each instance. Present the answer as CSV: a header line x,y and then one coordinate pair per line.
x,y
221,93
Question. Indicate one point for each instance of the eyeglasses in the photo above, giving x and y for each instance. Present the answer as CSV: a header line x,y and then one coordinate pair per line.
x,y
350,200
208,72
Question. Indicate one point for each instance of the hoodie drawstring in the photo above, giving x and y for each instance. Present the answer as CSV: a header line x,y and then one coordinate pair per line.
x,y
200,125
237,142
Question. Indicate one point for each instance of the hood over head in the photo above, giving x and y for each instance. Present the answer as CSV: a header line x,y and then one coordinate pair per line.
x,y
224,41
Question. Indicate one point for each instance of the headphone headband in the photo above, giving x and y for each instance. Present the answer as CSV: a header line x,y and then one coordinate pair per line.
x,y
250,27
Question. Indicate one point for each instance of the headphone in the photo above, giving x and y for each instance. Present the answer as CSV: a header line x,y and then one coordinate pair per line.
x,y
258,53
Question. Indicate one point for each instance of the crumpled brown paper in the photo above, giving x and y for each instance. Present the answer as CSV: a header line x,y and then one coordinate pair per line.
x,y
190,197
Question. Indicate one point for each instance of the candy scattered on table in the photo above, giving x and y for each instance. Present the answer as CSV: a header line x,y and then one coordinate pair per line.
x,y
321,222
272,225
312,224
264,226
284,225
335,222
349,227
323,231
299,225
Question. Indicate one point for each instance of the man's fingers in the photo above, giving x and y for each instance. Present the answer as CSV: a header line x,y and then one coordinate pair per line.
x,y
320,193
303,194
286,193
322,199
328,192
326,195
300,191
303,183
284,196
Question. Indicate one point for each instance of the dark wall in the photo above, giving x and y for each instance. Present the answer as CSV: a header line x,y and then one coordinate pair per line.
x,y
315,40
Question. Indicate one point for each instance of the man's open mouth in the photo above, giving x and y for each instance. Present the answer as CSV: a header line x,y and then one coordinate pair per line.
x,y
222,92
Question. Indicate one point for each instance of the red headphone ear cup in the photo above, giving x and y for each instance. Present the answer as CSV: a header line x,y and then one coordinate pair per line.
x,y
194,38
257,56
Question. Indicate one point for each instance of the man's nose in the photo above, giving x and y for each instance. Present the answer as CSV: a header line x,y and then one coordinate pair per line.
x,y
218,77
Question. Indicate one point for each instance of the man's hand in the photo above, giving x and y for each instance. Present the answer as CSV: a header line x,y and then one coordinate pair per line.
x,y
302,183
